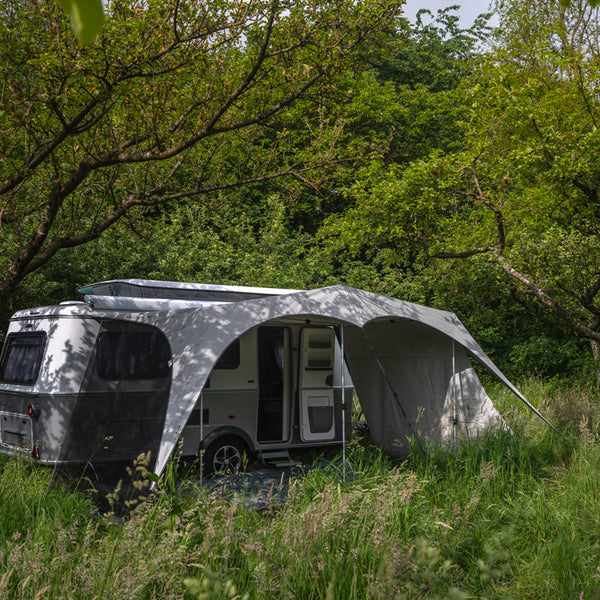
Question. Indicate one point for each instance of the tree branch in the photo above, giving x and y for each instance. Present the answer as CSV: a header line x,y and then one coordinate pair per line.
x,y
464,253
546,300
153,197
43,151
499,217
587,299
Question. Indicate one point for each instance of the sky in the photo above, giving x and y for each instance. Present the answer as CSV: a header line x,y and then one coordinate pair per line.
x,y
469,9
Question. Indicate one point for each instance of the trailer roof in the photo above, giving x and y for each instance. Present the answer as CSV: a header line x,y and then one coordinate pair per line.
x,y
176,290
64,309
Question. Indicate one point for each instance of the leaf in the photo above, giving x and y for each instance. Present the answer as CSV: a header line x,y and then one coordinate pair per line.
x,y
153,477
86,17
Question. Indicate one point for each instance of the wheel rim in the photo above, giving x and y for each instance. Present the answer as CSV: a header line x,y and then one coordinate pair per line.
x,y
228,459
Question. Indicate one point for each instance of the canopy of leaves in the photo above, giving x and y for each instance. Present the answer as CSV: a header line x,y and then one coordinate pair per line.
x,y
164,105
422,106
523,190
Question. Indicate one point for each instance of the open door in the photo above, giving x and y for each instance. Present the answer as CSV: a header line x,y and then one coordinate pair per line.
x,y
273,386
317,415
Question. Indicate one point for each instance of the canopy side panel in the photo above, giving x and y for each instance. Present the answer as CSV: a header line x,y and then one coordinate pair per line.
x,y
468,410
197,338
387,424
403,374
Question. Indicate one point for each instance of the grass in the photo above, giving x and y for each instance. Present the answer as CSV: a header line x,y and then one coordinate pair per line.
x,y
510,515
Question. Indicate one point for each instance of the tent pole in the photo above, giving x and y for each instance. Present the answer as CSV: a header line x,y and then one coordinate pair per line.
x,y
454,436
461,391
201,436
343,405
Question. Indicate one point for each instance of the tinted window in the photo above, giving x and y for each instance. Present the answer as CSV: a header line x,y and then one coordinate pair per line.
x,y
132,352
230,359
22,357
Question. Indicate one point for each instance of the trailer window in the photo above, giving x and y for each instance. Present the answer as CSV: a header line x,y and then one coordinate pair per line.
x,y
230,359
22,357
133,354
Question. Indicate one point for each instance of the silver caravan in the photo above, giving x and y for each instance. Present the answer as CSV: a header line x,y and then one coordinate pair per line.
x,y
161,367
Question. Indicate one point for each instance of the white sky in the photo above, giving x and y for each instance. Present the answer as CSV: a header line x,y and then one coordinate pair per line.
x,y
469,9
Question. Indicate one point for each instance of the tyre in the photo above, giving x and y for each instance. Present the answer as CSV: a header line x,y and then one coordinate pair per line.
x,y
224,456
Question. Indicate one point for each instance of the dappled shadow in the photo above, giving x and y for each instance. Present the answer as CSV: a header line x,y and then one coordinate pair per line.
x,y
119,416
85,420
199,336
55,393
264,487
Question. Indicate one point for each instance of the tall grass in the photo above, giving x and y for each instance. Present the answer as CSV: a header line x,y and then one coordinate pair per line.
x,y
514,514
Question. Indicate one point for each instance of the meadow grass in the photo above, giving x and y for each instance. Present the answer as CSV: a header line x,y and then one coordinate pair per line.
x,y
513,514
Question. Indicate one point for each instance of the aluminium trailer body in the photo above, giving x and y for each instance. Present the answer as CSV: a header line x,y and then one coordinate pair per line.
x,y
85,385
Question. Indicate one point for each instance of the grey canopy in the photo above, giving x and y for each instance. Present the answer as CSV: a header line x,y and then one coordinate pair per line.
x,y
409,363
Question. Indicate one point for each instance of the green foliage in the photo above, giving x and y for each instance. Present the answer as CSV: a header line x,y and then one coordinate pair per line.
x,y
172,101
191,243
424,67
422,86
86,17
435,55
511,514
30,507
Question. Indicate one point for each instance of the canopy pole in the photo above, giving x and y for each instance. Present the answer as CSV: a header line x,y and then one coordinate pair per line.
x,y
461,391
454,423
343,363
201,436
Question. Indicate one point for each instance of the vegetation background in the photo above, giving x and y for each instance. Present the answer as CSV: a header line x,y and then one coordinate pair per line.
x,y
300,145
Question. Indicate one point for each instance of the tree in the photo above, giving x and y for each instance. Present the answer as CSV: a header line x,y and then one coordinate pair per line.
x,y
413,104
164,106
527,193
523,194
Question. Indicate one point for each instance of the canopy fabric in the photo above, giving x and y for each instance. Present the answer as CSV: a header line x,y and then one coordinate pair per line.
x,y
408,362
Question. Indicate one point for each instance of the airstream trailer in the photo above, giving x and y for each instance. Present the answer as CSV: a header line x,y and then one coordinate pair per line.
x,y
82,383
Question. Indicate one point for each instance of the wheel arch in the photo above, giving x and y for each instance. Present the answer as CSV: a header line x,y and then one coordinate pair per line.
x,y
228,431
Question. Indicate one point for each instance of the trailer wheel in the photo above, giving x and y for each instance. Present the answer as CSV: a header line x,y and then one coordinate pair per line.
x,y
224,456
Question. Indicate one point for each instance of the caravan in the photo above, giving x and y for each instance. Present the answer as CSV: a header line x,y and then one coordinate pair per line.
x,y
162,367
79,384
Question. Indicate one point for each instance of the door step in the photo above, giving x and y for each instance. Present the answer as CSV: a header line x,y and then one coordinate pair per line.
x,y
277,458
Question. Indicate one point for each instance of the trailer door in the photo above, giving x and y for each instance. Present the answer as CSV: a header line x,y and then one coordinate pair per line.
x,y
317,415
273,384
